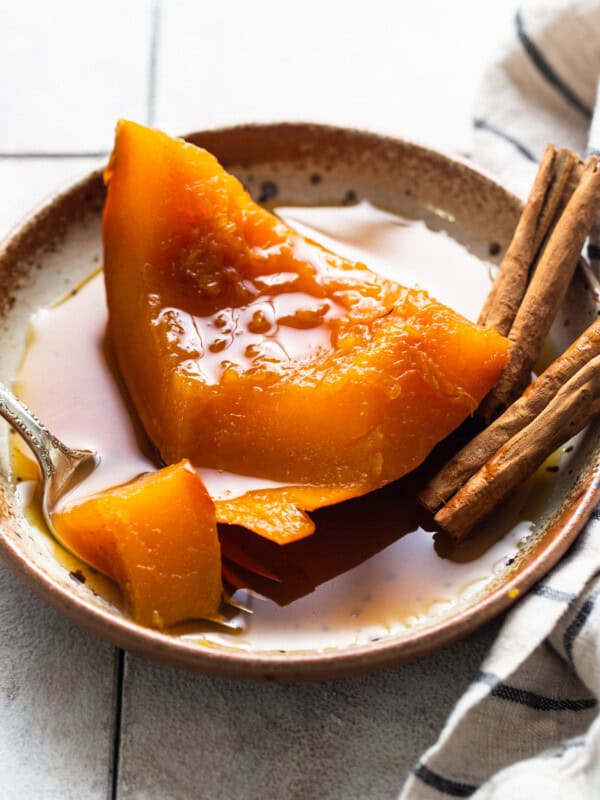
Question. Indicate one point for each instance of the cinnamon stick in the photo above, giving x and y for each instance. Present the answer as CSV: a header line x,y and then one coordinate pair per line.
x,y
546,290
551,189
573,407
523,411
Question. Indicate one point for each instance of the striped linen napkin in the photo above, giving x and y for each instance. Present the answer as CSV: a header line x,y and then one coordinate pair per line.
x,y
528,726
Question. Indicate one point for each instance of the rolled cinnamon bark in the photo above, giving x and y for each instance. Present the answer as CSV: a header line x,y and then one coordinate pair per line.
x,y
573,407
550,192
535,398
546,290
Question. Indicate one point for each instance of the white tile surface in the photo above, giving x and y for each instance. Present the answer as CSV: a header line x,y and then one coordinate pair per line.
x,y
411,69
187,736
70,70
56,708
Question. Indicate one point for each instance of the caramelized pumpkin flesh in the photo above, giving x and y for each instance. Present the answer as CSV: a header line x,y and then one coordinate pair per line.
x,y
248,348
157,538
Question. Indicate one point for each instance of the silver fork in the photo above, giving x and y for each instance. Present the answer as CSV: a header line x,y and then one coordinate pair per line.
x,y
62,467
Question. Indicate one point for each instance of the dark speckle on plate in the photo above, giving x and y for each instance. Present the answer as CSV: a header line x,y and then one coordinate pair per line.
x,y
268,191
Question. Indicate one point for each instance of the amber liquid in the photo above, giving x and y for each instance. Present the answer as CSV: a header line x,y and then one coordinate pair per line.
x,y
372,569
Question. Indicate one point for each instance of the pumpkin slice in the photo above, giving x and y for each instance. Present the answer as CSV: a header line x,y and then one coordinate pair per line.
x,y
248,348
157,538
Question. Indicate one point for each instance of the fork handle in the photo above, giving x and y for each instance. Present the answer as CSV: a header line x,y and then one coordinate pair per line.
x,y
49,451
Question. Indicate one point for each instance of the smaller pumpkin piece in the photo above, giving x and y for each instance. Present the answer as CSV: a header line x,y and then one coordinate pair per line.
x,y
278,514
157,538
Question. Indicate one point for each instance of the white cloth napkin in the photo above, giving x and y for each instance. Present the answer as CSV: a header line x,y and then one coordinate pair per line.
x,y
528,726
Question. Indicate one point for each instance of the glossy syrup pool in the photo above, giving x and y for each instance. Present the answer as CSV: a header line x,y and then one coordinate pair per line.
x,y
372,569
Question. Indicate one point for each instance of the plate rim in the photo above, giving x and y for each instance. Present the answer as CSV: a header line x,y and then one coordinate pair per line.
x,y
297,665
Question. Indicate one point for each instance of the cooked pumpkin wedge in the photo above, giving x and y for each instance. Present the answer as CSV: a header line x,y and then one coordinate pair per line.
x,y
157,538
247,347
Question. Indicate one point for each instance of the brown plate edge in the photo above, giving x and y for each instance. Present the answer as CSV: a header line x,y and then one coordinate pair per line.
x,y
298,666
320,665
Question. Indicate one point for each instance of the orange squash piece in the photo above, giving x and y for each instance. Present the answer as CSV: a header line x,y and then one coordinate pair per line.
x,y
157,538
248,348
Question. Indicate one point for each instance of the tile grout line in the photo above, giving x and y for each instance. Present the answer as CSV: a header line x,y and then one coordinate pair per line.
x,y
32,154
119,680
153,61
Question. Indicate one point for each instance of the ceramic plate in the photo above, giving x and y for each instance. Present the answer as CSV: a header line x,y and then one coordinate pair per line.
x,y
404,593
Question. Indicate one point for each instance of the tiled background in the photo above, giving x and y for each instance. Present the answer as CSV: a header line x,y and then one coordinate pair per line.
x,y
77,719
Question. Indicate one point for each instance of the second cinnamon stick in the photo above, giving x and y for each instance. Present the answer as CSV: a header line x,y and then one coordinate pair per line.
x,y
536,397
573,407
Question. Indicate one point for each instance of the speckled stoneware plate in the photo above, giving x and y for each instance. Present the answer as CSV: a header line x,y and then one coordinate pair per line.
x,y
309,165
